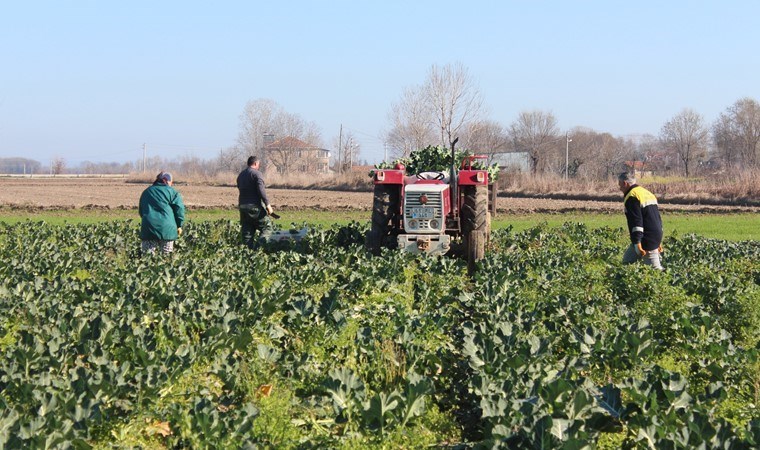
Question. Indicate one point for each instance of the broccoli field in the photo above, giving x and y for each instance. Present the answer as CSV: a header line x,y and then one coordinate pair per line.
x,y
552,343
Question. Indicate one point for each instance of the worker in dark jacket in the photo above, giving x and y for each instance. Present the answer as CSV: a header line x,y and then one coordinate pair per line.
x,y
253,204
162,213
644,222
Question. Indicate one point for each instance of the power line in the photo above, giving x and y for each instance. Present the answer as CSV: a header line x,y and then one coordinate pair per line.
x,y
374,137
372,145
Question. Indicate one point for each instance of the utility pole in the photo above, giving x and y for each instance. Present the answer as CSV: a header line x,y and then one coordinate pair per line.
x,y
144,157
385,151
350,151
340,145
567,152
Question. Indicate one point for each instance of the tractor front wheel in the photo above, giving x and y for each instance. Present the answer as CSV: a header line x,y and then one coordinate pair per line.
x,y
385,201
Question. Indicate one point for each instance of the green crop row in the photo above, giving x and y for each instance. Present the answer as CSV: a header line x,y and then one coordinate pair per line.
x,y
553,343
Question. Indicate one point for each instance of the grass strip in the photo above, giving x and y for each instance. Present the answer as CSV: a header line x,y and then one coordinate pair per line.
x,y
730,226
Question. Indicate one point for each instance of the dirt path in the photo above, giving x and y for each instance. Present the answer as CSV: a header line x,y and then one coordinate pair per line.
x,y
54,193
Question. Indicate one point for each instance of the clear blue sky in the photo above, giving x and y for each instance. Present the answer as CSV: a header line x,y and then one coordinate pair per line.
x,y
94,80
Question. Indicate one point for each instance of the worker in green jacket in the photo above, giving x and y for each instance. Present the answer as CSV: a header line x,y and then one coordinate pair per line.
x,y
162,213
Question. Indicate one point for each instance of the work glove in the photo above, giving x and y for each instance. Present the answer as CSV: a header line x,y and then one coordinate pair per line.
x,y
642,252
269,210
179,231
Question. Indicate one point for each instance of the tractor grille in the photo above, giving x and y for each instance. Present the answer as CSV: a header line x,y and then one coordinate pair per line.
x,y
419,214
434,200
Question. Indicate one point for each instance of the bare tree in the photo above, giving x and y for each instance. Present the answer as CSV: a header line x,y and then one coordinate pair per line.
x,y
231,159
616,153
647,147
592,155
285,154
746,121
193,166
57,165
736,133
436,111
586,143
485,138
536,133
725,140
90,167
156,164
454,99
411,128
647,151
686,136
260,116
264,116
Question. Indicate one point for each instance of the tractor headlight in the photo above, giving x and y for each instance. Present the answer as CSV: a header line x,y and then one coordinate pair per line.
x,y
412,223
434,224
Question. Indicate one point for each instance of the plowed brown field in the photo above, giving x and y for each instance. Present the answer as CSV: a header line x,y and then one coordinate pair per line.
x,y
105,193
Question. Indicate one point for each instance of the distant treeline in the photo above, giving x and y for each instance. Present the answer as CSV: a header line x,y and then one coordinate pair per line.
x,y
185,165
20,166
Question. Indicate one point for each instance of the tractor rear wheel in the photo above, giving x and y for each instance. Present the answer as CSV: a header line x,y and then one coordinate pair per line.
x,y
476,223
384,204
475,245
475,214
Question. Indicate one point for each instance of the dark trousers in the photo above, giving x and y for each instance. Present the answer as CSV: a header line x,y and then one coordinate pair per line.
x,y
253,218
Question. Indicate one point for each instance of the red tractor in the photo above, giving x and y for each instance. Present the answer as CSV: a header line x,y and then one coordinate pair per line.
x,y
433,212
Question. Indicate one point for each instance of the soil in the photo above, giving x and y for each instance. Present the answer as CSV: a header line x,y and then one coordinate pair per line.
x,y
107,193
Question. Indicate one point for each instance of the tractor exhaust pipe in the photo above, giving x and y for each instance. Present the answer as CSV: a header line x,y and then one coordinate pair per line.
x,y
453,181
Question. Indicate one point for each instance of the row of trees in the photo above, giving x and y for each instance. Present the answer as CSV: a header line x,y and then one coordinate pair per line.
x,y
448,104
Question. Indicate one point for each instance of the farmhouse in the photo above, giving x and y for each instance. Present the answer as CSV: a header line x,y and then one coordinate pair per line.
x,y
652,163
290,154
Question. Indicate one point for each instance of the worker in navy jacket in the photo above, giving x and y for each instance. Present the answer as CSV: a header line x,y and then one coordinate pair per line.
x,y
644,222
253,204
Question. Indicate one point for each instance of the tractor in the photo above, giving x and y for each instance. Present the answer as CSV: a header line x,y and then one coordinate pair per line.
x,y
435,213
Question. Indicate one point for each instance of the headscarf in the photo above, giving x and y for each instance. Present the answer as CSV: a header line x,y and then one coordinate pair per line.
x,y
163,178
